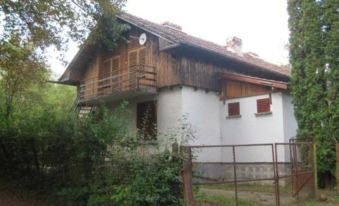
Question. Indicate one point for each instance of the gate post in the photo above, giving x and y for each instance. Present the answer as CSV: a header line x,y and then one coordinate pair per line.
x,y
315,173
187,176
337,164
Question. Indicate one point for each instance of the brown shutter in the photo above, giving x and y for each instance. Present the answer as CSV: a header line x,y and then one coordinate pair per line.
x,y
132,58
263,105
233,109
142,57
115,66
105,69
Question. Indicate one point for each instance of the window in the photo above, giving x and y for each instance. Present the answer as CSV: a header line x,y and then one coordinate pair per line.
x,y
147,120
137,57
115,72
263,105
133,58
105,73
233,109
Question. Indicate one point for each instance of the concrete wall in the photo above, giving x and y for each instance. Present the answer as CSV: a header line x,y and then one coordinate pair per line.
x,y
206,117
251,128
202,110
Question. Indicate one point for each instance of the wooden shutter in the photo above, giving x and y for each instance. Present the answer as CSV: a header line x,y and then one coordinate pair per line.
x,y
104,72
132,58
142,57
147,119
234,109
263,105
115,66
105,69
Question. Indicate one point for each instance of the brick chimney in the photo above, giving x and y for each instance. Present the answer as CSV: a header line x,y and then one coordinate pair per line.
x,y
234,44
172,26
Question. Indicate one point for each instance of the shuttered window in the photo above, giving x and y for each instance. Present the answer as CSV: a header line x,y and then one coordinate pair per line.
x,y
263,105
142,57
104,74
133,58
115,66
233,109
137,57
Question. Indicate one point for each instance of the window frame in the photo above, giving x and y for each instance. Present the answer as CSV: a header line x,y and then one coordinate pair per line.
x,y
264,106
233,109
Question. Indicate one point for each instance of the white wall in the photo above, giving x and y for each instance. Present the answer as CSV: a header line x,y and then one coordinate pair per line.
x,y
253,129
169,114
290,123
207,117
203,110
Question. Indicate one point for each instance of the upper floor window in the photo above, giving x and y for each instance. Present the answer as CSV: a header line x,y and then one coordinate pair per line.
x,y
263,105
233,109
105,73
137,57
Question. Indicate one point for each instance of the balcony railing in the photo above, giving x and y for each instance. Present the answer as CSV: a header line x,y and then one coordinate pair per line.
x,y
137,78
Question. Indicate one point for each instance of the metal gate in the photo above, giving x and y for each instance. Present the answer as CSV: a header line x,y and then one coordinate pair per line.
x,y
277,164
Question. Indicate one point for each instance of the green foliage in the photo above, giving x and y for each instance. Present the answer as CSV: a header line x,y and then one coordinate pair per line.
x,y
84,161
47,23
314,51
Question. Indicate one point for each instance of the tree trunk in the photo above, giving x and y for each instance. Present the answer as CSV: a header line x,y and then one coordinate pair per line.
x,y
35,155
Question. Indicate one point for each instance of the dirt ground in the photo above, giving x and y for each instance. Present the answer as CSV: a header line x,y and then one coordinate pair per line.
x,y
12,199
11,195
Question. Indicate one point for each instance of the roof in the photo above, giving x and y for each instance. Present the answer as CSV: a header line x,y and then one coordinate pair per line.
x,y
182,38
178,38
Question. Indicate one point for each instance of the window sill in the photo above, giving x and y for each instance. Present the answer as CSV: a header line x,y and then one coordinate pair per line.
x,y
233,117
263,113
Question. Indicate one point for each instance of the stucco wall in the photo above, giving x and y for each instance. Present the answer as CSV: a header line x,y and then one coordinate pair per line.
x,y
290,123
207,118
169,115
202,110
252,129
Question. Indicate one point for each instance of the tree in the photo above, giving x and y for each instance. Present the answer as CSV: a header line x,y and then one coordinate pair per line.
x,y
314,51
28,29
32,26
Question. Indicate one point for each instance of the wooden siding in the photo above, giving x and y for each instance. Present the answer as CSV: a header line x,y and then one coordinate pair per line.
x,y
233,89
174,67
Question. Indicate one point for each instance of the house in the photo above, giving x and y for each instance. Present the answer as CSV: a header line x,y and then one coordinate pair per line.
x,y
226,96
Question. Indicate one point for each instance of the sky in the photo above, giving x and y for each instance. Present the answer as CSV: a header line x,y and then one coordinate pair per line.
x,y
261,24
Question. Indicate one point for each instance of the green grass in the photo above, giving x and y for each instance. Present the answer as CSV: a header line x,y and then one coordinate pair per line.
x,y
219,200
207,199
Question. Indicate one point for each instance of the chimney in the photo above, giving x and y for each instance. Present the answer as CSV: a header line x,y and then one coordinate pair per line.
x,y
252,54
172,26
234,44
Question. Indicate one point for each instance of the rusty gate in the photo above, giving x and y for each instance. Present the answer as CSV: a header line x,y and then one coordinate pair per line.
x,y
291,163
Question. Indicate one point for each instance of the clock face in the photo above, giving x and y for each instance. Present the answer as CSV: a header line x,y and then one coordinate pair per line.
x,y
142,39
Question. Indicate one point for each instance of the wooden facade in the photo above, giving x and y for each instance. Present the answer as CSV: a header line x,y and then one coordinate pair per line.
x,y
111,71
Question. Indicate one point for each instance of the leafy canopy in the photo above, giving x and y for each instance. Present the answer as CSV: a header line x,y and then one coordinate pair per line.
x,y
314,52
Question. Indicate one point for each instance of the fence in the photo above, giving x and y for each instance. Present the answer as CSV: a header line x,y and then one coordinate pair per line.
x,y
282,165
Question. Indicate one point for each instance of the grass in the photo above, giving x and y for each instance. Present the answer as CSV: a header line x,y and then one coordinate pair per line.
x,y
222,195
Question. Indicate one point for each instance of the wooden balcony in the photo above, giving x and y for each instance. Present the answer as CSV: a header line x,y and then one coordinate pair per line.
x,y
138,81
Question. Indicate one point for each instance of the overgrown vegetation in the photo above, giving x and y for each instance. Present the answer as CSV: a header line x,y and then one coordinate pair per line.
x,y
83,161
314,51
44,146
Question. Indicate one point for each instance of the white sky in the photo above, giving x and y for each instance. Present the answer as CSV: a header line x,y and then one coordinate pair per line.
x,y
261,24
